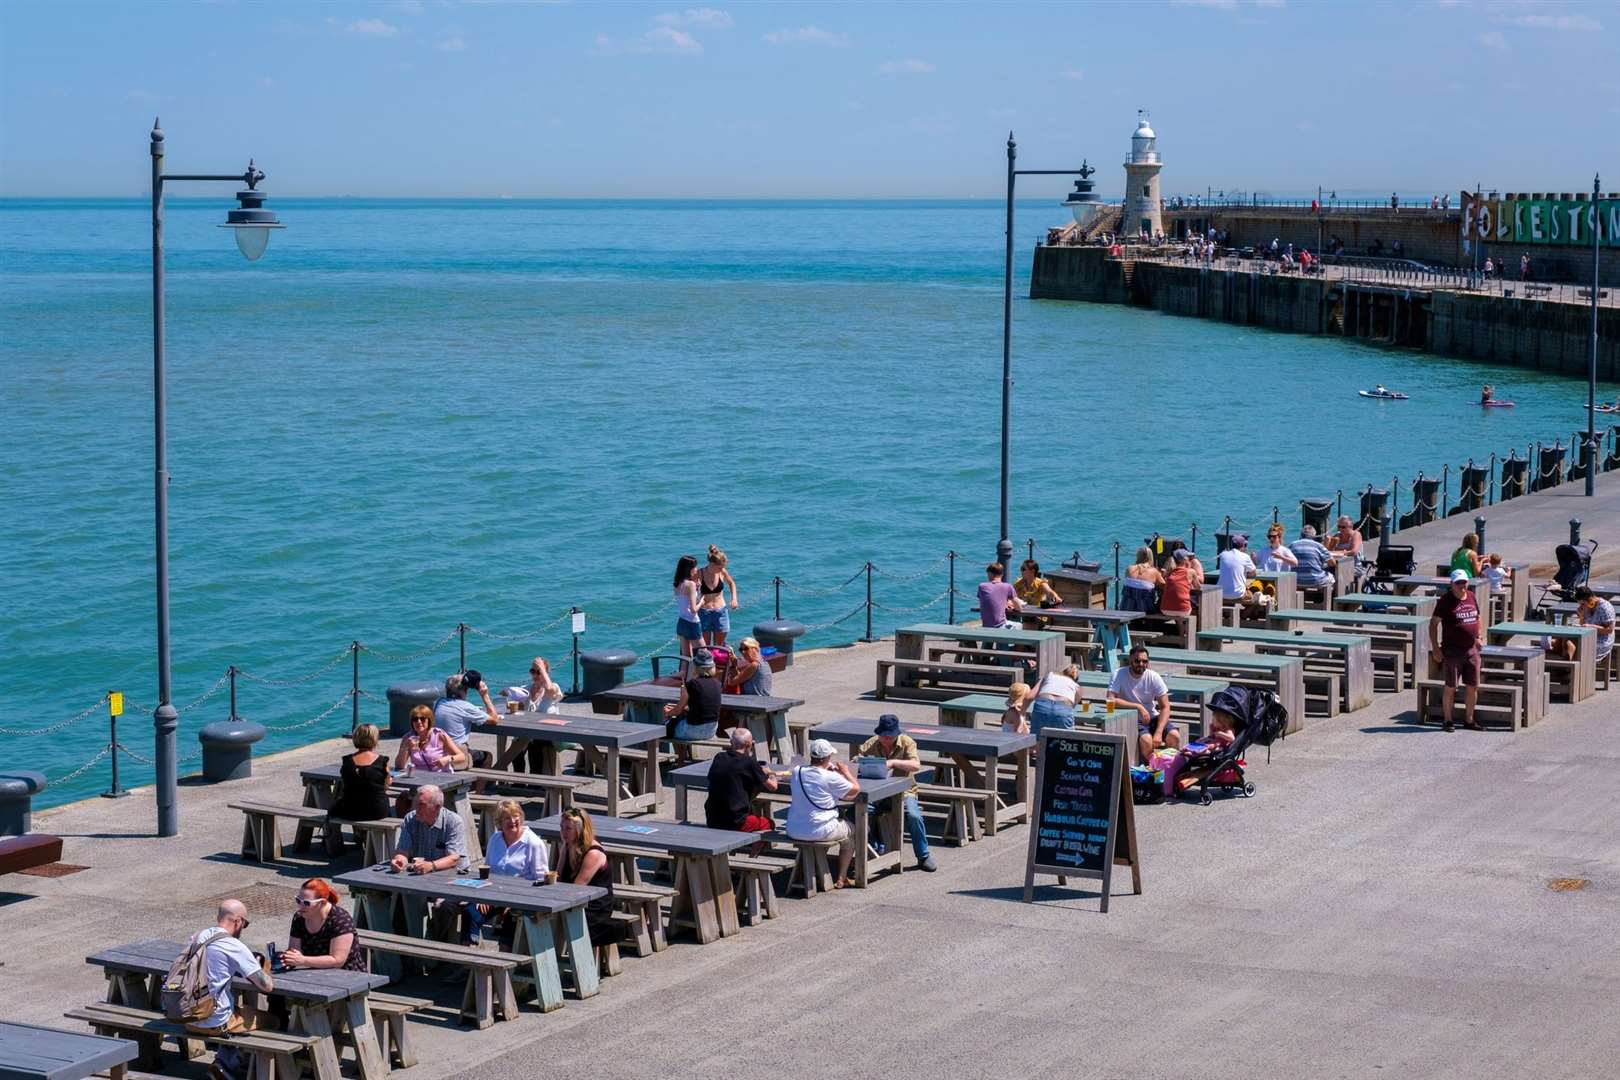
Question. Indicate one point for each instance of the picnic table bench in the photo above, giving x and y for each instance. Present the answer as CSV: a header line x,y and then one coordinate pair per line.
x,y
1409,632
1578,676
612,746
1282,675
272,1053
976,752
29,1052
261,835
391,913
703,899
1438,585
867,863
1410,604
1110,628
320,789
28,851
766,717
1044,647
1350,656
134,972
1189,704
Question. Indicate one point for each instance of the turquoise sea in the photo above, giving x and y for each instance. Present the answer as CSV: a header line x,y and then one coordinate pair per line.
x,y
411,414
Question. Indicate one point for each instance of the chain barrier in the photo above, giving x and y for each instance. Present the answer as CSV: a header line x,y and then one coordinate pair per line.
x,y
912,610
804,591
642,621
312,721
530,636
859,609
181,760
403,658
902,579
69,722
86,767
265,680
219,684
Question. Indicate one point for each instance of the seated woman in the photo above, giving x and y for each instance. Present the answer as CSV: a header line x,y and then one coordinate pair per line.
x,y
1142,579
426,749
1346,540
362,790
696,716
581,861
748,671
1034,590
1276,556
514,851
1180,584
322,934
545,696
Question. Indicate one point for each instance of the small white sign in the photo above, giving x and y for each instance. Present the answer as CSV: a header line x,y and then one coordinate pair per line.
x,y
579,622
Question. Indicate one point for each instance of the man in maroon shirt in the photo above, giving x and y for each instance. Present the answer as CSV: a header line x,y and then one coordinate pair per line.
x,y
1455,632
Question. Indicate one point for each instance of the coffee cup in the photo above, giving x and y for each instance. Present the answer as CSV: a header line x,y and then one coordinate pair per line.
x,y
483,873
511,706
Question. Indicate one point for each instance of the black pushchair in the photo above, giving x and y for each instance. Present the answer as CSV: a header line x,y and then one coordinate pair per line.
x,y
1394,561
1258,718
1574,568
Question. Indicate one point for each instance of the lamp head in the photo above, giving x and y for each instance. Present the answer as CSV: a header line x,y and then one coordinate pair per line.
x,y
251,222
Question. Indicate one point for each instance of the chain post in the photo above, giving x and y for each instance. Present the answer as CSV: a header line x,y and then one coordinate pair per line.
x,y
1340,513
1116,573
1194,546
1275,515
950,556
354,689
1490,490
114,792
1394,505
231,671
776,583
1445,488
1031,553
461,629
868,636
574,686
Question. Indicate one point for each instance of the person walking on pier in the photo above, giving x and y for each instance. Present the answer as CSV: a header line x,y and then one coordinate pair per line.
x,y
1455,633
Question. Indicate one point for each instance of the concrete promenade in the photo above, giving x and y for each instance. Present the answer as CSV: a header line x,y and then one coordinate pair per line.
x,y
1380,907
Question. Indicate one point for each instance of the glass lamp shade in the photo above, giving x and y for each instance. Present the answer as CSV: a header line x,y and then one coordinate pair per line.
x,y
251,239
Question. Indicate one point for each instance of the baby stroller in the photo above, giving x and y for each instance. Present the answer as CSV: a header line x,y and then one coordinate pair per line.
x,y
1257,718
1394,560
1574,568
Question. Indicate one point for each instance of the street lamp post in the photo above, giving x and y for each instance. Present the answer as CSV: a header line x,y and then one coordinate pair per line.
x,y
1004,547
252,225
1591,361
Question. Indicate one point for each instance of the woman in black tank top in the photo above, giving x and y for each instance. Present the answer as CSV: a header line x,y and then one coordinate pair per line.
x,y
581,861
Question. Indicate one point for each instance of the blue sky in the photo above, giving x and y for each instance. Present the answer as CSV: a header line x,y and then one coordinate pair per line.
x,y
440,98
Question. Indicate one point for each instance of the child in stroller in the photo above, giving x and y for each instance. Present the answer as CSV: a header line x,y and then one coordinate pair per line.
x,y
1239,717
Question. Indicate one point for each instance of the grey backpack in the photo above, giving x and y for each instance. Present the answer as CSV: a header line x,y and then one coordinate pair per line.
x,y
185,993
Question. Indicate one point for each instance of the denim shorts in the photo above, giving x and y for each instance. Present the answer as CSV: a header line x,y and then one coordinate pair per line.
x,y
685,732
1047,713
690,631
715,620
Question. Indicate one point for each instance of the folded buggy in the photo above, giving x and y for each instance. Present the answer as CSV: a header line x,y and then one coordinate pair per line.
x,y
1256,718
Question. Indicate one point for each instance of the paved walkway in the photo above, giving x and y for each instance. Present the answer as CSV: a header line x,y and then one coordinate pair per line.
x,y
1380,907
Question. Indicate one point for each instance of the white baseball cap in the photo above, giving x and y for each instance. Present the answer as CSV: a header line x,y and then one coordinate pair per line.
x,y
821,749
1459,575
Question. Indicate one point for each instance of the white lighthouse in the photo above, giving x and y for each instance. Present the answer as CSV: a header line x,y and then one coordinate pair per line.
x,y
1141,213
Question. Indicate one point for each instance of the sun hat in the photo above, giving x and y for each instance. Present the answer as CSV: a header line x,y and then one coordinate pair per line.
x,y
1459,575
888,724
703,658
820,750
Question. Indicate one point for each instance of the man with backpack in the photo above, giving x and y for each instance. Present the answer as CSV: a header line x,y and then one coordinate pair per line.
x,y
199,991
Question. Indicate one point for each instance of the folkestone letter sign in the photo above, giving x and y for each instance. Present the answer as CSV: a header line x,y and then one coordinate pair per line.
x,y
1560,222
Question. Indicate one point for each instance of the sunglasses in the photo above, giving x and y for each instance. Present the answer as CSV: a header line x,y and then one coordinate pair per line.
x,y
307,903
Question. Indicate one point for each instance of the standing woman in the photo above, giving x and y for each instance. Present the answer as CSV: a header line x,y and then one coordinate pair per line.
x,y
714,613
322,934
581,861
688,630
1466,557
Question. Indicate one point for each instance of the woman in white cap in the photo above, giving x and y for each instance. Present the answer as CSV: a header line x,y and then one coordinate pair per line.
x,y
813,811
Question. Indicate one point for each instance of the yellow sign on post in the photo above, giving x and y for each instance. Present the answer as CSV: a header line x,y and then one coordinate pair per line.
x,y
115,703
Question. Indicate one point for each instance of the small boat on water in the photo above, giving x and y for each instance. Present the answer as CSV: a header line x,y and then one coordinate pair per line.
x,y
1608,408
1384,395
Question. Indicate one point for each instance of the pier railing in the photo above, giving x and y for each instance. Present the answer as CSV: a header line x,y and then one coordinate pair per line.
x,y
863,605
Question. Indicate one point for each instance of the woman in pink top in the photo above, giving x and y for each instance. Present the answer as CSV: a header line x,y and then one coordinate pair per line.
x,y
426,749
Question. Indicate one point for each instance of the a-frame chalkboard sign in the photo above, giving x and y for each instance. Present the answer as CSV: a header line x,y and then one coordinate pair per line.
x,y
1084,823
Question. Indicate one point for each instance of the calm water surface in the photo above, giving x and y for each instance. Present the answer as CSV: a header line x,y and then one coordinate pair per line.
x,y
414,414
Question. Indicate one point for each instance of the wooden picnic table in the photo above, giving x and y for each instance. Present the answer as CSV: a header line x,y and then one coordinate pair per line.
x,y
397,902
134,972
984,710
1412,630
1110,627
765,717
29,1052
1583,683
1410,604
1045,647
1519,665
1284,674
977,752
890,821
1437,585
1350,654
320,788
599,738
1286,582
704,898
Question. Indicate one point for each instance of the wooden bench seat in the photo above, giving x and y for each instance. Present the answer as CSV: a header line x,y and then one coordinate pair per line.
x,y
1322,695
489,993
274,1054
1561,676
1496,701
558,790
646,903
811,870
26,852
755,884
261,836
388,1015
964,675
963,809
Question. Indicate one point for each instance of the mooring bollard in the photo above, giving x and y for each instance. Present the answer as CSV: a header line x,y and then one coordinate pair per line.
x,y
604,669
227,748
1574,532
779,634
405,696
1479,531
17,790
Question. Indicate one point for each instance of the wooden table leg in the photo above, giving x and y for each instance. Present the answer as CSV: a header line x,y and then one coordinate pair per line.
x,y
312,1020
613,780
861,829
680,802
725,897
363,1034
694,902
460,803
536,938
581,955
375,911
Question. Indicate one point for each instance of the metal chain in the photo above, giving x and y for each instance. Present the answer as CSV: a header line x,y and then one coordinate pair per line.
x,y
530,636
82,769
59,726
642,621
859,608
206,694
803,591
193,756
330,709
911,610
317,673
402,658
902,579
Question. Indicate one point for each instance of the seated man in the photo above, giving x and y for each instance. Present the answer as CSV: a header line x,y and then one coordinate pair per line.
x,y
900,751
226,959
736,777
1139,687
813,812
430,838
1591,610
1314,559
453,714
1236,568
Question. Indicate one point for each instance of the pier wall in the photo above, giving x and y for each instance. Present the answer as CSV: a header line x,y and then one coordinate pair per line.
x,y
1517,331
1431,236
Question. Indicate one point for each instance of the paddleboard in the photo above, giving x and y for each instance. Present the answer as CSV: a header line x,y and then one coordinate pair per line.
x,y
1386,396
1496,404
